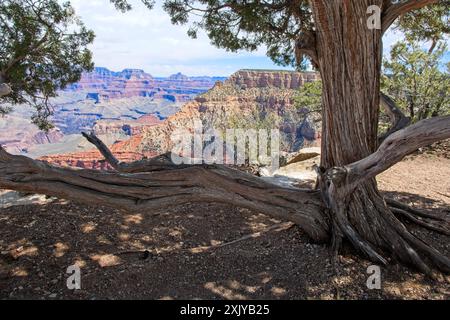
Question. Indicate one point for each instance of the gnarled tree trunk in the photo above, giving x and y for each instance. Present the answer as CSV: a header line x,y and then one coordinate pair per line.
x,y
349,56
158,183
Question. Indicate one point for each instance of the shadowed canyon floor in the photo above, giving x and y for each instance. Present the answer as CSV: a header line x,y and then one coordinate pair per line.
x,y
192,251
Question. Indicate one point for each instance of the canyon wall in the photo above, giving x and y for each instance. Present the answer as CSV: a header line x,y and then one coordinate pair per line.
x,y
103,85
249,99
247,79
104,101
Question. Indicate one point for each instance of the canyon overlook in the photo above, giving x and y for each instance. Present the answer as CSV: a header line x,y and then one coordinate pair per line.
x,y
248,99
100,95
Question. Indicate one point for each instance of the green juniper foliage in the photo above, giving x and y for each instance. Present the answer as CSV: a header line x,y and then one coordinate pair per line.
x,y
415,79
43,47
413,76
310,96
431,24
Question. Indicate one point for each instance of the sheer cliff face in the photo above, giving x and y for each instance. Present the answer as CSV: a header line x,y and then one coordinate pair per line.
x,y
247,79
248,99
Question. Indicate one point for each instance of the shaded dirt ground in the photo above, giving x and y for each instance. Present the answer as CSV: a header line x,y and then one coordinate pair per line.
x,y
185,259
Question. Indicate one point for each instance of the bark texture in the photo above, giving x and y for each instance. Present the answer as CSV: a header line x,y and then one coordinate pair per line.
x,y
350,57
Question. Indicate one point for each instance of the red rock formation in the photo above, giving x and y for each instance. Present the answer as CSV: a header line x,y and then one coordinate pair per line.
x,y
103,85
267,78
132,145
93,159
126,151
128,127
149,119
245,94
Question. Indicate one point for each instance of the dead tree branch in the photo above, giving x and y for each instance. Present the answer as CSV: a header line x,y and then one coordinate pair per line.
x,y
395,147
161,188
398,119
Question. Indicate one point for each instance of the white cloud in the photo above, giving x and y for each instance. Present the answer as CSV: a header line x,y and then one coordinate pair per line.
x,y
147,39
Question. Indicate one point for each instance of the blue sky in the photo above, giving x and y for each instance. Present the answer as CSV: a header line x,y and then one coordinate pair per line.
x,y
146,39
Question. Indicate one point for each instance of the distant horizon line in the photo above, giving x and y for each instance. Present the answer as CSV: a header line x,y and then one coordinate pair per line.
x,y
200,76
157,76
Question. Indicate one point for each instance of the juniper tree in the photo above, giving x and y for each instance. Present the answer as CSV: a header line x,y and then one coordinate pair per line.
x,y
346,49
43,47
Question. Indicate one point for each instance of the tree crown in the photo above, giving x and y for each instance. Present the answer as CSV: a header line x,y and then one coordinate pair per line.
x,y
43,48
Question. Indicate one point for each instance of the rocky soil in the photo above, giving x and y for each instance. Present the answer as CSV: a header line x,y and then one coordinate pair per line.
x,y
207,251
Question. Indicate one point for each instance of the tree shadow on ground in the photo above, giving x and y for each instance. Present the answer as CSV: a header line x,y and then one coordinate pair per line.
x,y
176,254
420,202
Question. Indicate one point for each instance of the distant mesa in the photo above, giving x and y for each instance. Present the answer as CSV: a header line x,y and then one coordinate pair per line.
x,y
106,95
282,79
137,73
104,85
179,77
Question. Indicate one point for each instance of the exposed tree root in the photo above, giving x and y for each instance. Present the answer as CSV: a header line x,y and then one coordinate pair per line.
x,y
422,223
419,217
394,204
372,228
